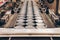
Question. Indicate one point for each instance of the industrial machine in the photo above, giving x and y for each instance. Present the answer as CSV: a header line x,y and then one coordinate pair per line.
x,y
48,7
30,20
7,10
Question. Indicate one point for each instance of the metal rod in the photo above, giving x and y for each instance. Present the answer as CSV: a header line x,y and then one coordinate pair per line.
x,y
51,38
9,38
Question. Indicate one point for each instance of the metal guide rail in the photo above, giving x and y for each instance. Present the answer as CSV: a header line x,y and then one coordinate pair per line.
x,y
29,17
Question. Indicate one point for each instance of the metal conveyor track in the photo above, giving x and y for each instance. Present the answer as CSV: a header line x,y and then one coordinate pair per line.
x,y
29,17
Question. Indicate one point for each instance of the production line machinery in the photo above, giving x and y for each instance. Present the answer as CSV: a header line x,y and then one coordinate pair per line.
x,y
30,17
44,8
29,24
7,10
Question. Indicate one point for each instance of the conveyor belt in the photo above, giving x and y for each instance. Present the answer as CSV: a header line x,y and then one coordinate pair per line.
x,y
29,17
